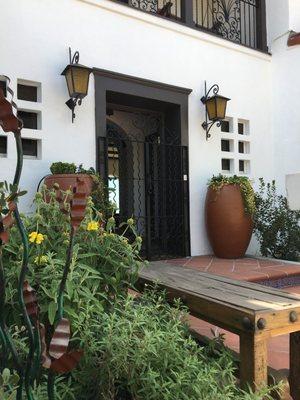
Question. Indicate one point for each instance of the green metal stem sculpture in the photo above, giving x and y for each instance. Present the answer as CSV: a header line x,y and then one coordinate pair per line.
x,y
54,356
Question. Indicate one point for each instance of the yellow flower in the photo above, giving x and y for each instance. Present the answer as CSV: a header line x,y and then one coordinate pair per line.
x,y
92,226
41,260
35,237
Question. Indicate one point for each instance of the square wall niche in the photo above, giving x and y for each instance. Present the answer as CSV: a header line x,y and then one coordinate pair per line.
x,y
227,145
227,165
244,167
243,147
227,125
243,127
29,91
32,148
31,119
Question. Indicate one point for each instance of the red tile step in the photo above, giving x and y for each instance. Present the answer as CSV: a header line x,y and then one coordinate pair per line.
x,y
271,272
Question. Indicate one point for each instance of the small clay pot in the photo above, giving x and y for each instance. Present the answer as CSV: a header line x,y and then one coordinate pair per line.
x,y
229,228
69,181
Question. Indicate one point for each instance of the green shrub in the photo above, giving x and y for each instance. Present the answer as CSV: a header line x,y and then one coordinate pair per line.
x,y
276,225
104,264
142,350
63,168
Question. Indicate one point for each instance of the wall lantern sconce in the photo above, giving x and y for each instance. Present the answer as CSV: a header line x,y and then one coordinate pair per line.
x,y
215,106
77,77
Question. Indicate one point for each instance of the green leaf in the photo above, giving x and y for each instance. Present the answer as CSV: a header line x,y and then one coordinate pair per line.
x,y
70,288
52,308
6,375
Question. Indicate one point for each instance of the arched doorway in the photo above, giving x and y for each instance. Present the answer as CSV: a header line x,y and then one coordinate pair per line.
x,y
145,176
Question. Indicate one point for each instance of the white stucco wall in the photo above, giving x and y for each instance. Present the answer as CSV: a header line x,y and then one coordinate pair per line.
x,y
285,93
35,36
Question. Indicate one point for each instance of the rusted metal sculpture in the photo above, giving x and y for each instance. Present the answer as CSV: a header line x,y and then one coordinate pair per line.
x,y
55,357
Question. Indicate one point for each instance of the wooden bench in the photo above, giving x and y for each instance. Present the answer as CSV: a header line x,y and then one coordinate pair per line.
x,y
254,312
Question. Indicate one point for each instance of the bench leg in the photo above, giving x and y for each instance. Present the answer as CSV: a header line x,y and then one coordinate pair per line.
x,y
294,377
253,361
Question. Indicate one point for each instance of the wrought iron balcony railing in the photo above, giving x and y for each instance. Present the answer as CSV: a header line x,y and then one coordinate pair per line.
x,y
240,21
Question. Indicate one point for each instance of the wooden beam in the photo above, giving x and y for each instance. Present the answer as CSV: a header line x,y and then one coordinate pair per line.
x,y
253,358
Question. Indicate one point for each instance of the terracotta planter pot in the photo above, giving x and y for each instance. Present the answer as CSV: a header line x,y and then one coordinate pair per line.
x,y
68,181
229,228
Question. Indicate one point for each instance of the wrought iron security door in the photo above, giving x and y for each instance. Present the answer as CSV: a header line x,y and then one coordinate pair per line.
x,y
147,171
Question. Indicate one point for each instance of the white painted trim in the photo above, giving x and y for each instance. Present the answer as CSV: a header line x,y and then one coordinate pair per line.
x,y
130,12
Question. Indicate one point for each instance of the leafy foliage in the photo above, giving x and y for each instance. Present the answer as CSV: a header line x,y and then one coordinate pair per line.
x,y
63,168
276,225
133,348
103,265
145,351
217,182
8,382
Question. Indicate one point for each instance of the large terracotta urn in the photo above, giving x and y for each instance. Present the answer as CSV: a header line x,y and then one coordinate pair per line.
x,y
229,228
69,181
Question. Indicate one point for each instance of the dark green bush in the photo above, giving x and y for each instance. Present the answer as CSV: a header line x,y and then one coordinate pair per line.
x,y
63,168
276,225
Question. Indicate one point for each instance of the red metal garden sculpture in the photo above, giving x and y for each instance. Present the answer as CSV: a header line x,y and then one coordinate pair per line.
x,y
55,357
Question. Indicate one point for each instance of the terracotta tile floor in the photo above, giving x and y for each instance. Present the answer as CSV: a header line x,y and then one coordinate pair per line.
x,y
270,272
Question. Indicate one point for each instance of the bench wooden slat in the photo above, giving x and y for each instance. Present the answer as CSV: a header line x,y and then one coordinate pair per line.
x,y
253,296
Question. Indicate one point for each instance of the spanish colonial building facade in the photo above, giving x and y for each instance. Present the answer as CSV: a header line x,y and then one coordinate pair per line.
x,y
140,124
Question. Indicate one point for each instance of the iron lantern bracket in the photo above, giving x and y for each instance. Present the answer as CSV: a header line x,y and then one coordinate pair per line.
x,y
206,125
72,103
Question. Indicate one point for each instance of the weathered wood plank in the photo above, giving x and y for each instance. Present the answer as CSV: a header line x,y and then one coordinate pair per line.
x,y
202,292
253,296
253,358
167,268
215,312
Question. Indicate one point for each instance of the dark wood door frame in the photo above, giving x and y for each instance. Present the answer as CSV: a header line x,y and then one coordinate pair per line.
x,y
107,81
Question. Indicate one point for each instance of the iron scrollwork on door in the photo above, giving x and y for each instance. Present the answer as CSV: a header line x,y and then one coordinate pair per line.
x,y
146,165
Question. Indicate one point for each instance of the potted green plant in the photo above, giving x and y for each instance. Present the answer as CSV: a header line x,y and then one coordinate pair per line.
x,y
65,175
229,210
